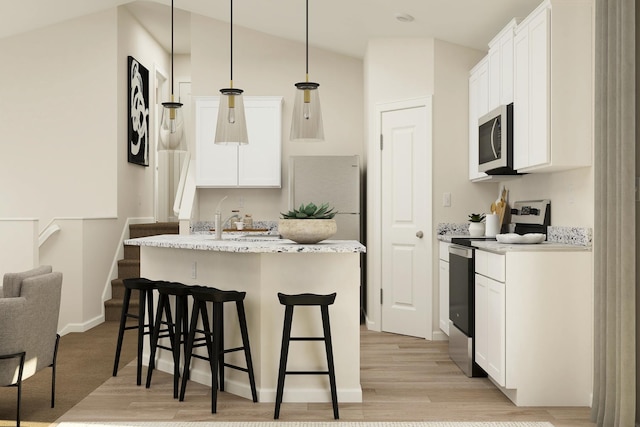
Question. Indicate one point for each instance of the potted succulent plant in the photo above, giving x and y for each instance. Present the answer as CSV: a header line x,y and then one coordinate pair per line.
x,y
476,225
308,224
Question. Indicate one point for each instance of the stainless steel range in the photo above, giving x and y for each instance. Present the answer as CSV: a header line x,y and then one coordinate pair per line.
x,y
531,216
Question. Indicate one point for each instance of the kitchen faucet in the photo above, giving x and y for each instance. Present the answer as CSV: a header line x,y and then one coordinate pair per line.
x,y
236,215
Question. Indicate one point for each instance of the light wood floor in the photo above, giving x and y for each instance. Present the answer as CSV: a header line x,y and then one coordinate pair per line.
x,y
403,379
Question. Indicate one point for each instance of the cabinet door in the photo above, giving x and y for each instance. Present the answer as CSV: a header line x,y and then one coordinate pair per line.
x,y
259,162
506,68
444,296
521,99
531,93
483,87
474,99
495,77
495,321
481,339
539,90
216,165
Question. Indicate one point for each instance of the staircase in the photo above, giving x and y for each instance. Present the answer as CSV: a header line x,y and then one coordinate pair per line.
x,y
130,267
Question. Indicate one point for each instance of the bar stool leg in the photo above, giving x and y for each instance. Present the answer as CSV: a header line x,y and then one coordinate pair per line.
x,y
217,367
154,339
247,350
188,350
141,308
329,349
179,341
123,321
284,353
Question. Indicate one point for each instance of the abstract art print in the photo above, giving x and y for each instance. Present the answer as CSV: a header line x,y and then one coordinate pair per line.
x,y
138,109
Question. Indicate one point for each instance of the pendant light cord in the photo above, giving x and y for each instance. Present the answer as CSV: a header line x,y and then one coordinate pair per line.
x,y
231,38
307,42
172,49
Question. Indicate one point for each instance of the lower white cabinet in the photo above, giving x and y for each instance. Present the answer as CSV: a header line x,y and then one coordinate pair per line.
x,y
443,285
534,324
257,164
490,327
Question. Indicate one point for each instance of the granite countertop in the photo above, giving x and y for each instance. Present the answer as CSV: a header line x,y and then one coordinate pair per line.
x,y
559,238
238,243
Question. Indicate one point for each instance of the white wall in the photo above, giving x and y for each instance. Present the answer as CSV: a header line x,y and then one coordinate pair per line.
x,y
266,65
571,194
58,114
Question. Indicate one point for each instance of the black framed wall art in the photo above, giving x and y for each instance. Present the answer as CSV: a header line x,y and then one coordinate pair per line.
x,y
138,113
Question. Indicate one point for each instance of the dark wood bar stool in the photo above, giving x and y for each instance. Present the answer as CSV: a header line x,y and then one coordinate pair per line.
x,y
176,330
145,288
214,339
290,301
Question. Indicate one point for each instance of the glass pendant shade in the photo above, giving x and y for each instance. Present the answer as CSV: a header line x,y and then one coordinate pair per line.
x,y
232,124
306,124
172,127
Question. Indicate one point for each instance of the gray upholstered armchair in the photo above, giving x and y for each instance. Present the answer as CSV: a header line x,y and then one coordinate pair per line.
x,y
29,309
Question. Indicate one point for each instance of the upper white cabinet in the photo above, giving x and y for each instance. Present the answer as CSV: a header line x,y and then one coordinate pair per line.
x,y
478,106
553,87
257,164
501,67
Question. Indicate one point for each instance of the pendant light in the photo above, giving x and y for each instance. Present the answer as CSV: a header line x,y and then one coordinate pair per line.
x,y
172,123
306,124
232,125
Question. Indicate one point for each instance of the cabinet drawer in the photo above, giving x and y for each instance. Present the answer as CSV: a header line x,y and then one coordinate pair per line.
x,y
444,251
490,265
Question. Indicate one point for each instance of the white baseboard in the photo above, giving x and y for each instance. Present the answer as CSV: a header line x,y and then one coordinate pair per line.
x,y
82,327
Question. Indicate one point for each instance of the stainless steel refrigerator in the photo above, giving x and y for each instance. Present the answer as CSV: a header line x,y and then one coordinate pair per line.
x,y
329,179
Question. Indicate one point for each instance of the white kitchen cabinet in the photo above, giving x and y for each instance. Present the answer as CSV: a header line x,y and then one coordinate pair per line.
x,y
443,281
490,315
501,67
553,87
534,324
257,164
478,106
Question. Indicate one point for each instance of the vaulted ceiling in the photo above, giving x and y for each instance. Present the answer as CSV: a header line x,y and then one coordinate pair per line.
x,y
342,26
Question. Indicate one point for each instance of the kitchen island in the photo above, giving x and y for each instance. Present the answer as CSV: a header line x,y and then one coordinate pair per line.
x,y
263,266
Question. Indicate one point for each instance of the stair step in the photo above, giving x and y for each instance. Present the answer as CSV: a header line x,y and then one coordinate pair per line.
x,y
113,308
153,229
131,252
128,268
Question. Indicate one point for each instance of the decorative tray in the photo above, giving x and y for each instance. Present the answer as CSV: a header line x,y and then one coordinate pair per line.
x,y
528,238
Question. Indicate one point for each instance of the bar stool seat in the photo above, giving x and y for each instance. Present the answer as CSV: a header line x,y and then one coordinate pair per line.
x,y
176,330
214,339
145,287
290,301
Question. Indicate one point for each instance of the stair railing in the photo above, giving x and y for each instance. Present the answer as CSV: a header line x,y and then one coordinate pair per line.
x,y
51,229
181,184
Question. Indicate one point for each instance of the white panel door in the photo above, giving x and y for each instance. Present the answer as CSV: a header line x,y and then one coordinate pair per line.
x,y
406,303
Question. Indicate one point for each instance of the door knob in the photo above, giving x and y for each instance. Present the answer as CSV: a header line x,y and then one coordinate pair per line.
x,y
419,234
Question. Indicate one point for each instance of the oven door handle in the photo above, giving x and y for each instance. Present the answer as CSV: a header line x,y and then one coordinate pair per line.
x,y
461,251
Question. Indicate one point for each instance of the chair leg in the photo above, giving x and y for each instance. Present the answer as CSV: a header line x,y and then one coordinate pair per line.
x,y
218,310
123,321
188,350
329,349
247,349
177,343
141,315
212,349
53,371
284,353
154,338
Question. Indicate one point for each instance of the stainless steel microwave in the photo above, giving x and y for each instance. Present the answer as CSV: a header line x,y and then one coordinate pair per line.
x,y
495,141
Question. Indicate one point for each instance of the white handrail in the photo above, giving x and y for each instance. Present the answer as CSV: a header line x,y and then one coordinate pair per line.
x,y
48,232
181,183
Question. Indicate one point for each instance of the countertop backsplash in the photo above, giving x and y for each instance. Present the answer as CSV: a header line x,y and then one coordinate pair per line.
x,y
580,236
204,227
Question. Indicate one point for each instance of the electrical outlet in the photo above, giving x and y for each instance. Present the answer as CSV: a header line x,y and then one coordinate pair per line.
x,y
194,270
446,200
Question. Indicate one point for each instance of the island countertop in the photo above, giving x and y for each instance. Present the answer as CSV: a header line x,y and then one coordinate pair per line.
x,y
245,244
